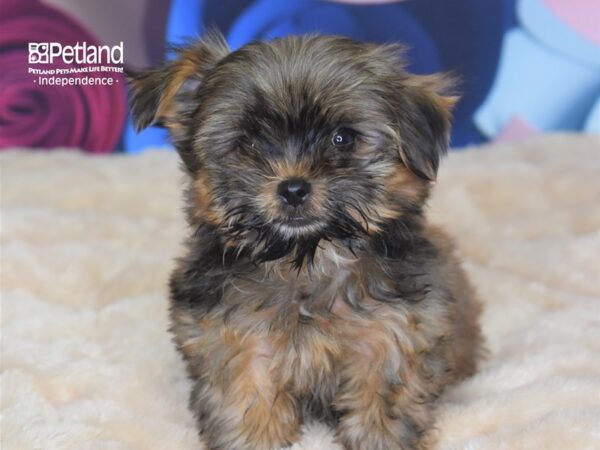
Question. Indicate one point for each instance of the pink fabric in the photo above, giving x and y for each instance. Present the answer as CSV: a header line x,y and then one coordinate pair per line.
x,y
88,117
581,15
517,128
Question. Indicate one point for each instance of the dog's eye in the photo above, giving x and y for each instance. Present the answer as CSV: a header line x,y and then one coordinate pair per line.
x,y
343,138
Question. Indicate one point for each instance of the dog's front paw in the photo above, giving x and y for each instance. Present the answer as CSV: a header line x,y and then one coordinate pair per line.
x,y
247,414
378,414
380,434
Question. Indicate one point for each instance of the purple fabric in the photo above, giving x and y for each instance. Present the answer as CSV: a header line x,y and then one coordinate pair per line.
x,y
87,117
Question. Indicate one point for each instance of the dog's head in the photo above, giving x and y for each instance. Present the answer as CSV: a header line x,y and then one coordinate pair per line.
x,y
300,139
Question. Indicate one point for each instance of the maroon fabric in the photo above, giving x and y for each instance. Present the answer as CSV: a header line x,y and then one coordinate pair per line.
x,y
87,117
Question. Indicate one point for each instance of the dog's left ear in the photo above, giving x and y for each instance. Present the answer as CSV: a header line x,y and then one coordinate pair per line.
x,y
167,96
162,96
423,117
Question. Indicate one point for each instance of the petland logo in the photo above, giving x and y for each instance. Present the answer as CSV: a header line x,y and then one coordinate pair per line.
x,y
81,64
80,53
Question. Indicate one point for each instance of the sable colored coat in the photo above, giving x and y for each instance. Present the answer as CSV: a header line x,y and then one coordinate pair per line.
x,y
312,286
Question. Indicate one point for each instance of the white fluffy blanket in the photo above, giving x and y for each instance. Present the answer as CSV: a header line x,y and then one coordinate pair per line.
x,y
88,242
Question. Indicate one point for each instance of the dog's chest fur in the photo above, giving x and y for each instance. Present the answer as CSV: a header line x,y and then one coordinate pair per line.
x,y
299,331
295,317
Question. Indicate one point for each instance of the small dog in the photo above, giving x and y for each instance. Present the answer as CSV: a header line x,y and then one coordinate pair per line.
x,y
312,287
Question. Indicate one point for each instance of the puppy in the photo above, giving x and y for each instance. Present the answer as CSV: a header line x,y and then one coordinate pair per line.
x,y
312,286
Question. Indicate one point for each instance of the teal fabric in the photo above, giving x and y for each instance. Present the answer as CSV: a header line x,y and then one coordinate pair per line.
x,y
541,86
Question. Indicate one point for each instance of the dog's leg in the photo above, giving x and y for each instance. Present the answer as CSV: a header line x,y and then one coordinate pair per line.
x,y
238,403
383,401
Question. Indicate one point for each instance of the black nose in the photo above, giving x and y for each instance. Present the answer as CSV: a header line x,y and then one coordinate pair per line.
x,y
293,191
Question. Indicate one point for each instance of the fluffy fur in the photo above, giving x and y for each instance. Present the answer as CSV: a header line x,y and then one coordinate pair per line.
x,y
86,357
347,308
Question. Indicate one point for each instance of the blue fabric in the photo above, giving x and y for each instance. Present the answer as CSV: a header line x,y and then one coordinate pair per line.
x,y
468,34
269,19
553,33
539,85
592,123
548,76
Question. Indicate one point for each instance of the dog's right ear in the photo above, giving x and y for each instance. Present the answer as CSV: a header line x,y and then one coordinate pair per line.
x,y
166,95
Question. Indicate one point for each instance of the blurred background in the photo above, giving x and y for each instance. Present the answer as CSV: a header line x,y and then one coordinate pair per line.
x,y
527,66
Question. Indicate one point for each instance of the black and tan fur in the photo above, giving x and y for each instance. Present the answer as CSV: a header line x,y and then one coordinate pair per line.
x,y
348,308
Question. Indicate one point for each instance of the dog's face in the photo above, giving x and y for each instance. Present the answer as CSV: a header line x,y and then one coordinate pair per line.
x,y
299,139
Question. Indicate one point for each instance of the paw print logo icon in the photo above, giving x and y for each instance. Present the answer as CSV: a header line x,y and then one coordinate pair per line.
x,y
38,53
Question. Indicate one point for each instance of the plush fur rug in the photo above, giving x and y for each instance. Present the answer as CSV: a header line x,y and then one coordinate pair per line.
x,y
88,242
